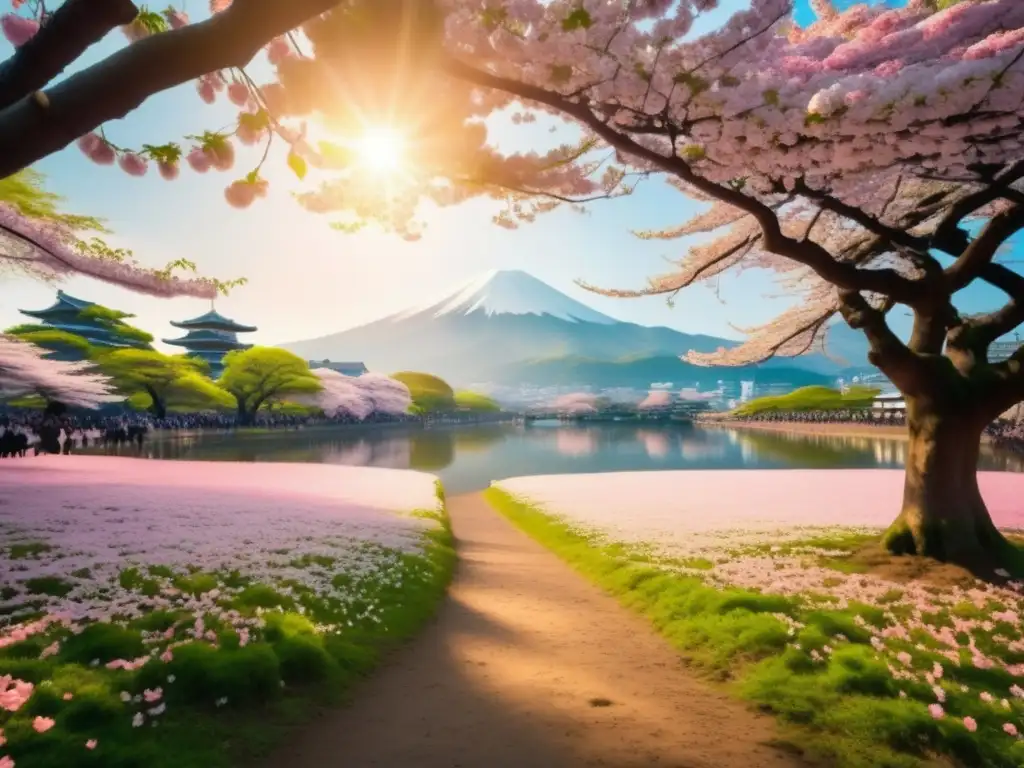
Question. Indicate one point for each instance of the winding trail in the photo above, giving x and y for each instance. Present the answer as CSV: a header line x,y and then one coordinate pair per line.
x,y
513,674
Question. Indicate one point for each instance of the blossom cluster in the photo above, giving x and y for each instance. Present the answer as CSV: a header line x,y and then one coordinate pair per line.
x,y
117,543
360,396
48,250
25,369
956,647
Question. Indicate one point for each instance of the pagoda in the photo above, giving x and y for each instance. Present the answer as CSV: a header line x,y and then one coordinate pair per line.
x,y
210,337
67,314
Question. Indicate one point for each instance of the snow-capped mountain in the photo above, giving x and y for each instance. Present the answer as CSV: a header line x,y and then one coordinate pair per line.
x,y
508,327
510,292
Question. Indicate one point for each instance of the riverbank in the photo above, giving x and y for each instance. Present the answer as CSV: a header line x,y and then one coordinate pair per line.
x,y
762,580
190,613
838,429
527,664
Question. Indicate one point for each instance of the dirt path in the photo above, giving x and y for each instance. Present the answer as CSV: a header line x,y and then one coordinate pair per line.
x,y
508,674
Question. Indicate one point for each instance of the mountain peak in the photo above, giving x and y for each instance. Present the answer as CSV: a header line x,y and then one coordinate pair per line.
x,y
510,292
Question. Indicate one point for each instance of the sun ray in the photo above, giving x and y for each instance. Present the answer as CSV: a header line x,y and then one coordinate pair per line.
x,y
381,149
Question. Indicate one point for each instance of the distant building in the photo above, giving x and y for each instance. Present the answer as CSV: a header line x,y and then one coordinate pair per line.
x,y
210,337
1001,350
345,369
892,403
66,315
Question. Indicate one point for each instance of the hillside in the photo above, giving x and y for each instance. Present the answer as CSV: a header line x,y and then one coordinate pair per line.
x,y
510,327
640,372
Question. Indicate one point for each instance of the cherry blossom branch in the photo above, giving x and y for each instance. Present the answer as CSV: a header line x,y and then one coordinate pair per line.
x,y
845,276
62,39
37,126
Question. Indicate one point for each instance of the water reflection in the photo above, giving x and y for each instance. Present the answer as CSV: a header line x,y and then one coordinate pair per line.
x,y
574,441
469,458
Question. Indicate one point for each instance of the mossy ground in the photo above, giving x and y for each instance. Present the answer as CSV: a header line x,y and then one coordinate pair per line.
x,y
226,704
813,666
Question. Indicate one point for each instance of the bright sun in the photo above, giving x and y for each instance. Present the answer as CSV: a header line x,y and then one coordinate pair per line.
x,y
381,149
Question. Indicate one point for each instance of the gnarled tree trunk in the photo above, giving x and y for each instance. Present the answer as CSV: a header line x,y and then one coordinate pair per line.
x,y
943,514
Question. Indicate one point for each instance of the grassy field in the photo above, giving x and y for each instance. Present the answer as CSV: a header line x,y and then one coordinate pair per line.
x,y
862,670
158,663
810,399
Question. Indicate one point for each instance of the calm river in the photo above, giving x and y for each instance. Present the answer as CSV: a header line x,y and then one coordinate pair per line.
x,y
469,458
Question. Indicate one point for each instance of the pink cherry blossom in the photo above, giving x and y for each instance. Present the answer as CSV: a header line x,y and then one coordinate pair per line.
x,y
6,762
206,90
199,160
970,724
168,171
133,164
278,50
91,744
175,18
222,155
238,93
43,724
17,29
240,194
1010,729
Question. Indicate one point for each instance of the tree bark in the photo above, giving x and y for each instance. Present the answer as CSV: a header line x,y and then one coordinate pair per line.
x,y
943,514
158,407
243,419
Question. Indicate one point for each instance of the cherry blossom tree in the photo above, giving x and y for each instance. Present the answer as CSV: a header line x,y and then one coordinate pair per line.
x,y
26,370
359,396
656,399
872,159
575,404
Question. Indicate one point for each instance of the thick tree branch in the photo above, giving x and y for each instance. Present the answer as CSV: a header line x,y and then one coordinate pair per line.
x,y
845,276
894,358
895,237
44,123
979,254
1005,279
948,236
73,28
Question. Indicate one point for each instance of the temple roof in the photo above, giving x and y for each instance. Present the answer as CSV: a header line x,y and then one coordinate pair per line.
x,y
64,303
214,320
207,338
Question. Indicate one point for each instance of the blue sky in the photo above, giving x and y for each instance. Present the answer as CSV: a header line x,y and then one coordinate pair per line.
x,y
307,280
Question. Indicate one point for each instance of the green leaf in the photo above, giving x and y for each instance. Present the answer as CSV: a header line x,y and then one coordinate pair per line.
x,y
578,19
694,153
334,155
695,83
257,121
771,96
560,73
297,164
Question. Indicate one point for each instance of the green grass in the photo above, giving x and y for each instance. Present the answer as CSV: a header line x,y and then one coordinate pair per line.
x,y
845,710
229,703
474,401
810,399
429,393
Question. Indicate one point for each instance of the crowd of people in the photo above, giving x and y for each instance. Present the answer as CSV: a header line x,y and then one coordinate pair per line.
x,y
23,432
850,416
1007,434
1004,433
